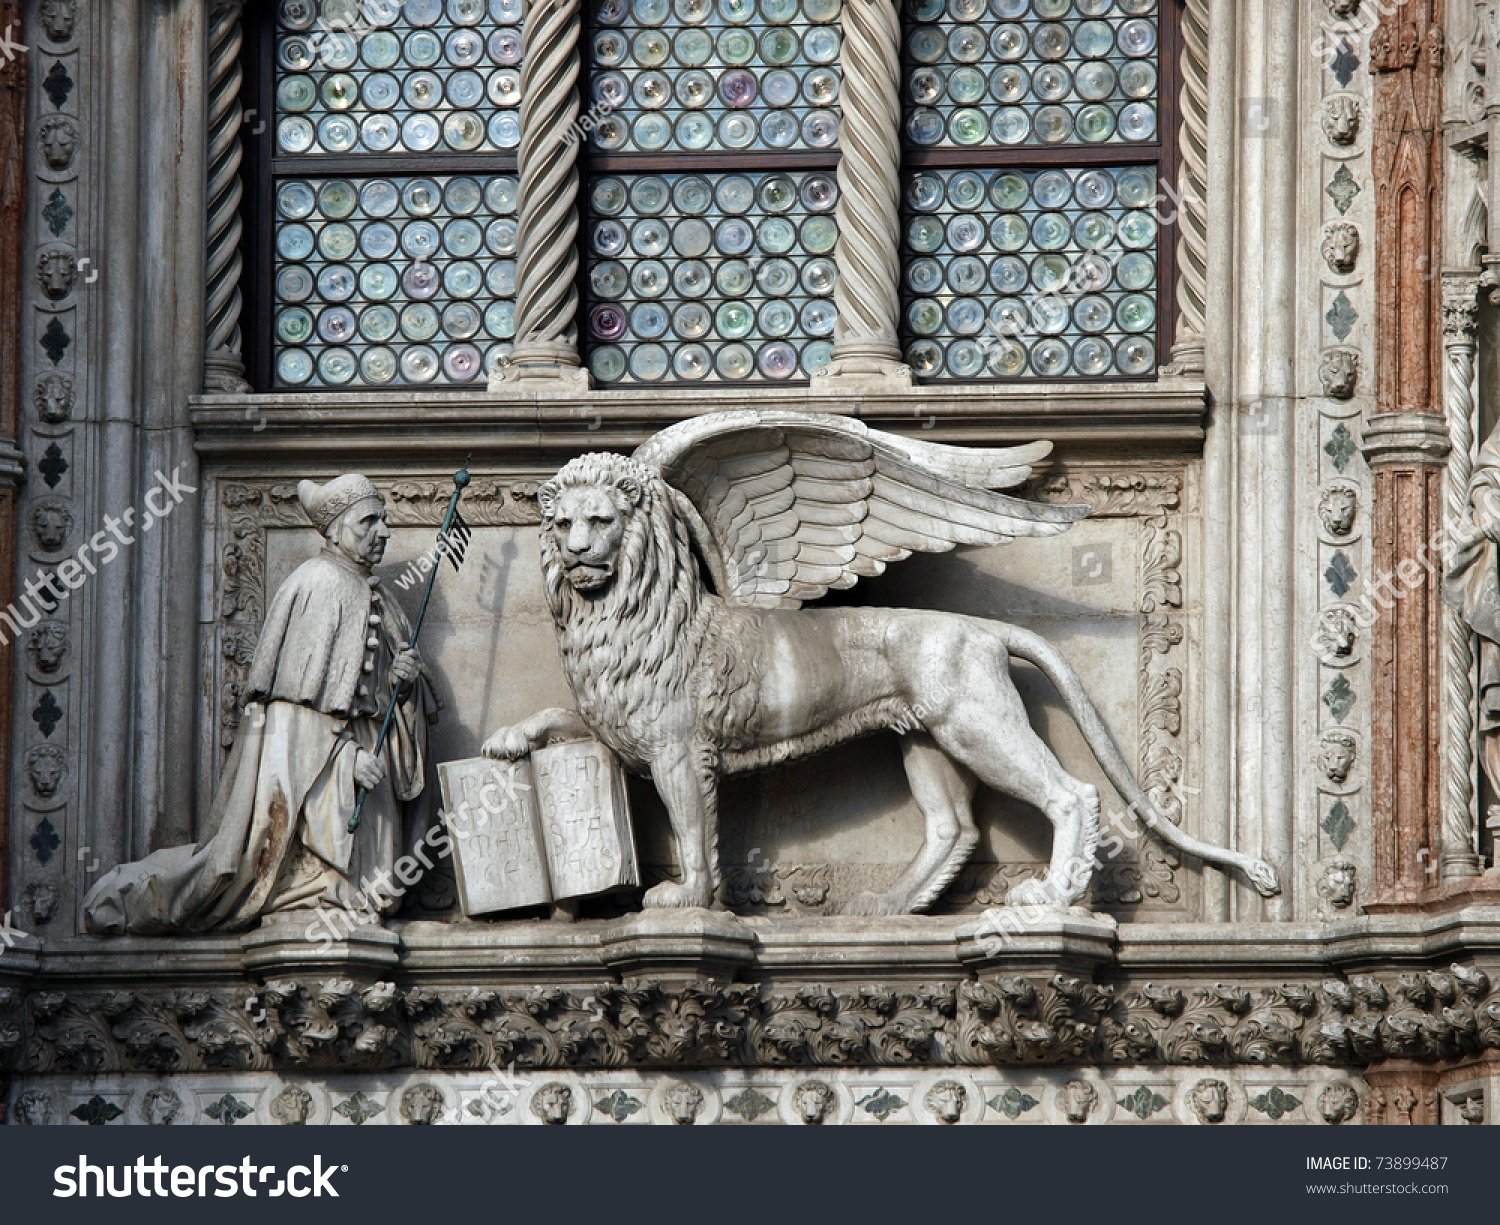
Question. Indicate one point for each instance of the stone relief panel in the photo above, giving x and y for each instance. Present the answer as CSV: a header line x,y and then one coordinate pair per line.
x,y
1124,581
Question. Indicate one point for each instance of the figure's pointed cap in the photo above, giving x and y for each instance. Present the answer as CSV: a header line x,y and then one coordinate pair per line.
x,y
325,503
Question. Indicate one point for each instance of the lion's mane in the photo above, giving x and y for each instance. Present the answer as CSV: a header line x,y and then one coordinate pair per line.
x,y
628,651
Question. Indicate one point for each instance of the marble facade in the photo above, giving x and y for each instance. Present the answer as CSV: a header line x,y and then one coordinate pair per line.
x,y
1245,500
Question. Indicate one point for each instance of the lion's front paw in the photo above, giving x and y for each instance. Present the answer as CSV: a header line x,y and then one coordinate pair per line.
x,y
870,903
507,744
670,893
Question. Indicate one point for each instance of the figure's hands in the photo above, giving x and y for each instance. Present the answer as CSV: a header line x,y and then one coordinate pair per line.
x,y
406,667
508,743
368,770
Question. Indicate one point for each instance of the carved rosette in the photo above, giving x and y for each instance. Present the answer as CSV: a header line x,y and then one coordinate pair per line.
x,y
1192,219
1459,857
868,293
224,367
547,225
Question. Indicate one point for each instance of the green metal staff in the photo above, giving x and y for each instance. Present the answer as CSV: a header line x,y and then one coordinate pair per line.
x,y
453,542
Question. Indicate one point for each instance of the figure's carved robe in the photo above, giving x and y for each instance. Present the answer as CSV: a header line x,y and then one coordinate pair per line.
x,y
277,835
1473,587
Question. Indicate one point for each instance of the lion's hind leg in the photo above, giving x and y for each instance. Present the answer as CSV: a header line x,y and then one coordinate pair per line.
x,y
992,736
945,793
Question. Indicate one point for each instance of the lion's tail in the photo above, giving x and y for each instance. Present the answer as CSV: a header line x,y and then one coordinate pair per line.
x,y
1037,650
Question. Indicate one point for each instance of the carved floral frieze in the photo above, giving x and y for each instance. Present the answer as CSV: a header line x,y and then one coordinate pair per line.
x,y
1424,1016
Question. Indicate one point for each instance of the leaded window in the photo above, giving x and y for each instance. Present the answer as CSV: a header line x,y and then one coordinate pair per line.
x,y
1035,149
389,191
710,189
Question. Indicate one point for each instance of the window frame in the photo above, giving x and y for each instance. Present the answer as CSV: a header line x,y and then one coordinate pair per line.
x,y
1165,157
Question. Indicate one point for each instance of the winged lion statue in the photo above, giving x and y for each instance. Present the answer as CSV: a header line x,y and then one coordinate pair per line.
x,y
676,578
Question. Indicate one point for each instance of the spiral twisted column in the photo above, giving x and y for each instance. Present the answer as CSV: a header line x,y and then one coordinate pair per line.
x,y
868,293
1459,857
1192,207
223,363
547,227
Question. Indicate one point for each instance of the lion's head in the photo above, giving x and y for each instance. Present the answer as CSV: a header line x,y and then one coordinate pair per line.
x,y
623,587
587,510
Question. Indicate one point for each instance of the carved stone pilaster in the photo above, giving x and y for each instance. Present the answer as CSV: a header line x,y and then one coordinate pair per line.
x,y
223,364
1192,212
12,214
1459,857
868,294
547,226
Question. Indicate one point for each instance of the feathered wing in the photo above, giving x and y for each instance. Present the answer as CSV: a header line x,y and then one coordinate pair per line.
x,y
786,505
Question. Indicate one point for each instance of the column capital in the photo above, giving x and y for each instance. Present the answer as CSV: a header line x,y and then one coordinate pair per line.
x,y
1460,305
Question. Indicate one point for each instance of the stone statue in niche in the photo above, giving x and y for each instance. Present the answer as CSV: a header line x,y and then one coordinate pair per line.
x,y
277,837
1472,586
685,683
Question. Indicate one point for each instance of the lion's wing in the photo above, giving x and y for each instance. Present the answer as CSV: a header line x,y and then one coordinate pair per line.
x,y
796,504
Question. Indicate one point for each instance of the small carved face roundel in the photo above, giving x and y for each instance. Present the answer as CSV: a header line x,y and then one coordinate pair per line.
x,y
1337,630
814,1102
421,1105
51,521
684,1103
161,1107
1338,1102
552,1103
947,1100
1341,246
1337,508
59,140
53,398
1336,756
587,523
45,766
1078,1099
55,273
294,1104
57,19
34,1108
1210,1100
49,643
1337,884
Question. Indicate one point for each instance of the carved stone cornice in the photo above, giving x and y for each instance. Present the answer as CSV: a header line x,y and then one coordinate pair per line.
x,y
1406,439
336,1024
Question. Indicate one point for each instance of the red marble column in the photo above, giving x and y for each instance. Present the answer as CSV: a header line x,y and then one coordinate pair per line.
x,y
1405,442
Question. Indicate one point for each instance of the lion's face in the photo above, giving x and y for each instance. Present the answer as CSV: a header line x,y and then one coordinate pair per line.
x,y
587,523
